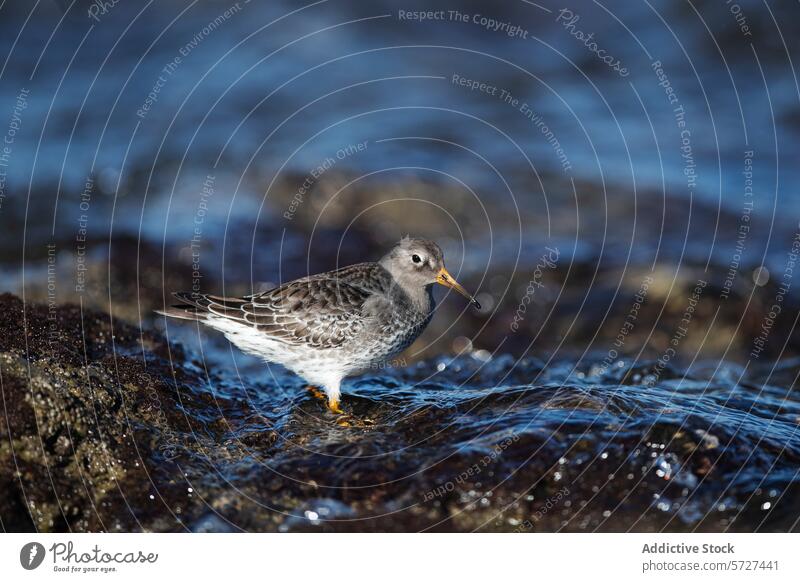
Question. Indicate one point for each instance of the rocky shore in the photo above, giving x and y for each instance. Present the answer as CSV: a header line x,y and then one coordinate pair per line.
x,y
108,428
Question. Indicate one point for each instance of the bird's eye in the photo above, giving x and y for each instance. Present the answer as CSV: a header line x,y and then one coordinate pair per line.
x,y
416,258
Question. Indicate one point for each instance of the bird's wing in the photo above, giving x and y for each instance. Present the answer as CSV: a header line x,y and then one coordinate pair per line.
x,y
320,311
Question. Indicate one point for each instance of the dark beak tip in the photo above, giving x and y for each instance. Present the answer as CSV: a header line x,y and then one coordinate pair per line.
x,y
476,304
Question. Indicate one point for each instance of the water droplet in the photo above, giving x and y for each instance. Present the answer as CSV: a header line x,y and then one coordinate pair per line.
x,y
760,276
486,301
462,344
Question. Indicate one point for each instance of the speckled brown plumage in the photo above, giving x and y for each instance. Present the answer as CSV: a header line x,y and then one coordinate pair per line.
x,y
323,311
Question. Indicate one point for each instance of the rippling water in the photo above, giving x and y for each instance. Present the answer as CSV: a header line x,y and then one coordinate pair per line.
x,y
498,443
167,438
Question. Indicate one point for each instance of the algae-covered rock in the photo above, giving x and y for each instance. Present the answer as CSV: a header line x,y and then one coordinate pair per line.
x,y
84,419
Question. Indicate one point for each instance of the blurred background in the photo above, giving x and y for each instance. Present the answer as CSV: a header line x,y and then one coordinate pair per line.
x,y
565,158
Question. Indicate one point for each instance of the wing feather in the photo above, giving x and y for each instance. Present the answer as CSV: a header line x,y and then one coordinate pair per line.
x,y
322,311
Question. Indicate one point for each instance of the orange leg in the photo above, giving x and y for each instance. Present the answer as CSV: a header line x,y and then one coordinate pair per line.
x,y
316,393
333,405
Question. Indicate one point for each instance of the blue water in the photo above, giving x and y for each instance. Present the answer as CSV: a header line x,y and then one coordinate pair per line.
x,y
626,447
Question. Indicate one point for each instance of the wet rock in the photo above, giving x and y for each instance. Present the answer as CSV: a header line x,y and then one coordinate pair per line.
x,y
109,428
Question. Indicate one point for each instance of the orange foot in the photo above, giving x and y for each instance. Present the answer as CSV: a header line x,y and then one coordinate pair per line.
x,y
316,393
333,406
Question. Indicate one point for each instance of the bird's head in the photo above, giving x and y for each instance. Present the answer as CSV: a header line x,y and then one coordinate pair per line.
x,y
416,263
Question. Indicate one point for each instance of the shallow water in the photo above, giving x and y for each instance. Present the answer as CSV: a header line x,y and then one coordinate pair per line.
x,y
498,443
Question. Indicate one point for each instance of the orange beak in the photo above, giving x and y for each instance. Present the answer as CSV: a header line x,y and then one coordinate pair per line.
x,y
444,278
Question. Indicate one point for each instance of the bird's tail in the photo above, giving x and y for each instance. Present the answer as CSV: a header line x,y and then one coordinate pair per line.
x,y
189,310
